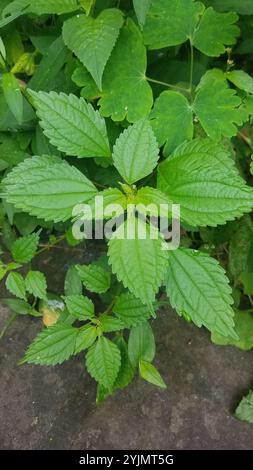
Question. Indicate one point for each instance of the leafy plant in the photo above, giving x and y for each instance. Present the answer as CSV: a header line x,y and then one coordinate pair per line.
x,y
144,104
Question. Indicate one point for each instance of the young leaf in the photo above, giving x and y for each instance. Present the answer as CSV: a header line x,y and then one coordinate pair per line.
x,y
241,80
136,152
18,306
24,249
141,344
103,362
13,95
47,187
152,201
41,7
202,178
215,31
36,284
171,119
126,371
16,285
71,124
244,330
149,373
171,22
80,307
139,263
108,323
218,109
244,410
94,278
197,286
141,8
130,310
93,39
52,346
87,335
126,93
72,284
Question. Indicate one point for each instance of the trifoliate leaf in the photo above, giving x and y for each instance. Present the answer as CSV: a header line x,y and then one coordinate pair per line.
x,y
136,152
171,22
141,8
87,335
13,95
52,346
36,284
141,344
15,284
24,249
126,93
149,373
244,330
103,362
171,119
41,7
80,307
244,411
47,187
215,31
218,109
130,310
71,124
137,262
93,39
197,287
202,178
94,278
241,80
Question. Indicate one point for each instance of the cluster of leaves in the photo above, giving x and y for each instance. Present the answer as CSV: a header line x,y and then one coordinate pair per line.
x,y
83,112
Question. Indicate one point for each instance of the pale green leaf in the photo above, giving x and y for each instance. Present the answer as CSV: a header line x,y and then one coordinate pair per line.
x,y
109,324
15,284
202,178
152,202
141,344
244,410
126,93
141,8
36,284
13,95
72,125
130,310
244,330
197,287
149,373
110,196
24,249
80,307
171,119
52,346
171,22
215,31
47,187
41,7
86,336
93,39
72,283
94,278
103,362
138,263
241,80
136,152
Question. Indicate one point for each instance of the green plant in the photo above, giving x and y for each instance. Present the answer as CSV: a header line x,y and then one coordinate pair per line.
x,y
139,103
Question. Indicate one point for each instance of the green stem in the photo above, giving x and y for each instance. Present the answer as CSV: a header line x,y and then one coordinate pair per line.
x,y
47,247
8,324
191,66
173,87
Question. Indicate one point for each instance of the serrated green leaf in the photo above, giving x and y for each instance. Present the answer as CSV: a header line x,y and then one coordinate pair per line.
x,y
103,362
16,285
93,39
80,307
52,346
126,371
111,196
108,323
141,344
72,283
141,8
218,109
47,187
71,124
24,249
13,95
18,306
215,31
171,22
94,278
197,286
126,93
244,330
154,202
87,335
241,80
130,310
244,411
136,152
41,7
171,119
202,178
36,284
149,373
138,263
